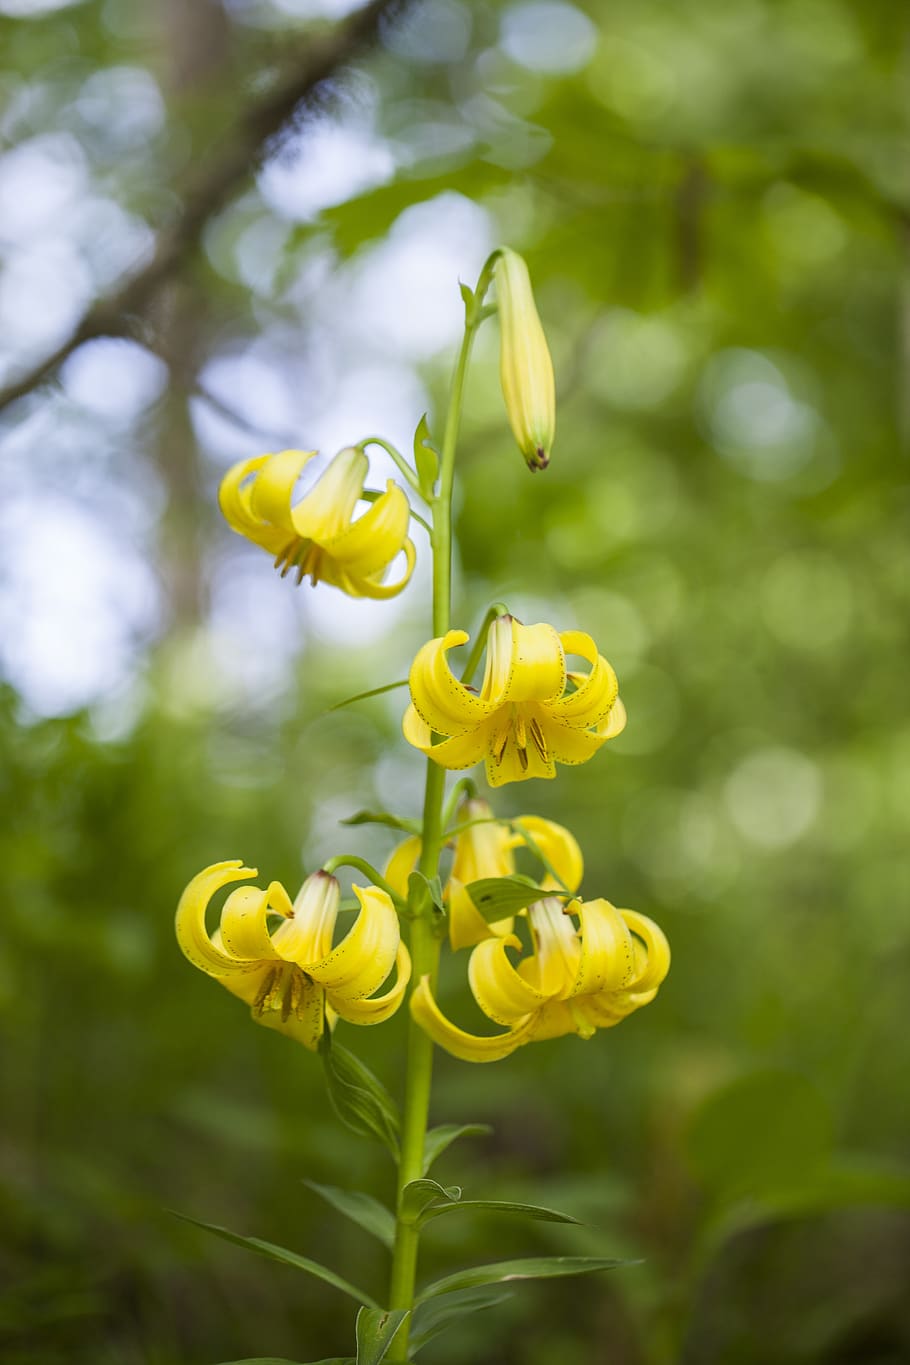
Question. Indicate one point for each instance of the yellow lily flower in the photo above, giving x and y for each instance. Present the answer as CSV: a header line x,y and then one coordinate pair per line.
x,y
317,536
291,976
531,712
525,367
486,850
576,981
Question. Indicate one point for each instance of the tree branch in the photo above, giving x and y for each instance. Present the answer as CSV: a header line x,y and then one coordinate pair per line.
x,y
244,144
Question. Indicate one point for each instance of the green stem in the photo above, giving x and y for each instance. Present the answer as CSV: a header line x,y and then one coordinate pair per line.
x,y
398,458
425,945
368,870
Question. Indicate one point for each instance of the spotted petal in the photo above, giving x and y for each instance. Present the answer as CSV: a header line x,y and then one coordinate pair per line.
x,y
363,959
192,934
444,704
467,1046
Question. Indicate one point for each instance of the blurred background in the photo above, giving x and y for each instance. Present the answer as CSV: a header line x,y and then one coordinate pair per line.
x,y
713,199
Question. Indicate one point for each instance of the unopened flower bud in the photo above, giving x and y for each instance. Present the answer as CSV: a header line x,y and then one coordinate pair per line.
x,y
525,367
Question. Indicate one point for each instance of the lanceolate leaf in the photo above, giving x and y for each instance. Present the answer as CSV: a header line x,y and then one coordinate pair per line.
x,y
498,897
420,1194
362,696
376,1330
500,1206
438,1139
358,1097
279,1360
285,1257
361,1208
382,817
438,1314
426,458
529,1268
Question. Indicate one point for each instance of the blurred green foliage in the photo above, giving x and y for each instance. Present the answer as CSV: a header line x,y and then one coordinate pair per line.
x,y
713,201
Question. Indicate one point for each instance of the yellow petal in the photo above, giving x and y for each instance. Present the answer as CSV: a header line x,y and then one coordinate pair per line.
x,y
370,543
234,499
402,862
244,931
559,1017
657,952
443,703
567,745
614,723
467,1046
607,960
462,751
326,511
363,959
523,663
503,995
273,487
380,1007
557,950
595,694
373,587
192,935
306,935
558,845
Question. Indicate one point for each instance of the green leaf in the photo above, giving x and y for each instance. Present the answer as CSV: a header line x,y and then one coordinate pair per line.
x,y
426,458
382,817
418,1195
285,1257
442,1137
467,295
361,1208
537,1211
280,1360
436,1316
358,1097
528,1268
362,696
498,897
376,1330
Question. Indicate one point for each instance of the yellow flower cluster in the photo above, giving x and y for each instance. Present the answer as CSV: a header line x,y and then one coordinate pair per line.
x,y
559,965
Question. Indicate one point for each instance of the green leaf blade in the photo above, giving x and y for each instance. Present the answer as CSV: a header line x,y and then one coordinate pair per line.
x,y
284,1257
426,458
498,897
361,1208
527,1268
376,1330
382,817
358,1097
419,1195
535,1211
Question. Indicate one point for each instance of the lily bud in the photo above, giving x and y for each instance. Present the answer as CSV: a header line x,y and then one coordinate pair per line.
x,y
525,367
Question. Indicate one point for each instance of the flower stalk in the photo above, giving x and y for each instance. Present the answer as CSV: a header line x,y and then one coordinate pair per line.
x,y
425,944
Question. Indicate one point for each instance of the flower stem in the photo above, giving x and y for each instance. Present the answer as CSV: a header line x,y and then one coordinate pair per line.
x,y
425,944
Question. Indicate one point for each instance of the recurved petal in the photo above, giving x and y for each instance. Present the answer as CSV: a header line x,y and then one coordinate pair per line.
x,y
273,487
595,693
234,494
326,510
244,931
442,702
368,544
503,995
360,963
462,751
607,961
373,587
192,934
524,663
469,1047
380,1007
559,1017
568,745
558,845
649,973
402,862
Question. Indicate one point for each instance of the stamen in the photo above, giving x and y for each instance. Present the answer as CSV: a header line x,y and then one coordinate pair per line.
x,y
500,749
265,998
540,744
522,757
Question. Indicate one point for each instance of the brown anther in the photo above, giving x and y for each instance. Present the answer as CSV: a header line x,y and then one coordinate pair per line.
x,y
540,744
